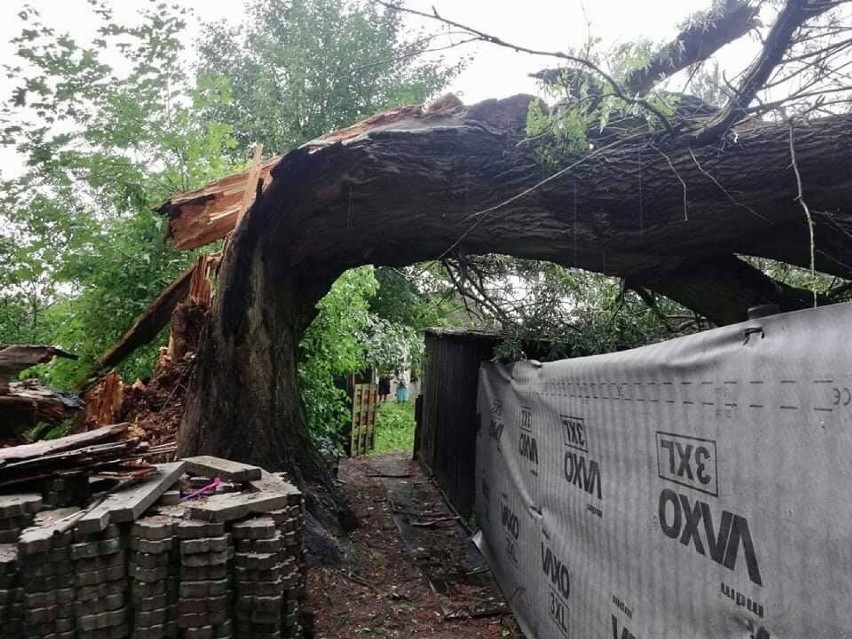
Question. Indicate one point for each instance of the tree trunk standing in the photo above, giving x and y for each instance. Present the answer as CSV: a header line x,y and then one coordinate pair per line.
x,y
460,182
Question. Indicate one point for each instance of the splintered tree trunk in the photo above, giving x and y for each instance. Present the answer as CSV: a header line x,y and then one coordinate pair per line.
x,y
461,181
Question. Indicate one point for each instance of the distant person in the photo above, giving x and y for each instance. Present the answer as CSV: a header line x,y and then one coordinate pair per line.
x,y
384,388
401,392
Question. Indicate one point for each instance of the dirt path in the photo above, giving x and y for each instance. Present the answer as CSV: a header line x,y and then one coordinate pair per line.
x,y
406,533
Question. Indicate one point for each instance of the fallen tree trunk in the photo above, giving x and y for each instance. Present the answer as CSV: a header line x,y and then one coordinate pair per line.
x,y
460,181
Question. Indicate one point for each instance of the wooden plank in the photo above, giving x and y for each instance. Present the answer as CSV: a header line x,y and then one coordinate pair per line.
x,y
51,446
128,505
233,506
208,466
272,483
48,524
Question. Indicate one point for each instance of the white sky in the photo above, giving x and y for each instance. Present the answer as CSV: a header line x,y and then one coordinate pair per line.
x,y
495,72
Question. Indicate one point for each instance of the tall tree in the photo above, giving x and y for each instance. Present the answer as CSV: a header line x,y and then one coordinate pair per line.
x,y
300,68
670,207
107,129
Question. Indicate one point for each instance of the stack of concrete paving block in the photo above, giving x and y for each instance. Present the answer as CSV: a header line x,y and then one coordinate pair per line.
x,y
205,587
258,574
16,513
154,578
100,564
228,565
11,593
46,573
61,492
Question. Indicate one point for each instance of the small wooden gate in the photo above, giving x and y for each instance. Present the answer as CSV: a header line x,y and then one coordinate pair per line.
x,y
362,437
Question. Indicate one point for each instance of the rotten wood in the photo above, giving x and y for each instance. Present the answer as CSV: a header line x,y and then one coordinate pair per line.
x,y
103,403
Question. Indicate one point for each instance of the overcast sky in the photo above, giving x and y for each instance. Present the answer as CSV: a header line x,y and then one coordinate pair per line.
x,y
495,72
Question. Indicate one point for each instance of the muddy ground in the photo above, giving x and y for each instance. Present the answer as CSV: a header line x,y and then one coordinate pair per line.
x,y
412,572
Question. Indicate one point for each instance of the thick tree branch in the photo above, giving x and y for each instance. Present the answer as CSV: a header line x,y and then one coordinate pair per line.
x,y
701,39
588,64
792,16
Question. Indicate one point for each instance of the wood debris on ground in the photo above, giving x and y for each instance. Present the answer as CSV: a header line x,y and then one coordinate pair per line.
x,y
24,404
104,452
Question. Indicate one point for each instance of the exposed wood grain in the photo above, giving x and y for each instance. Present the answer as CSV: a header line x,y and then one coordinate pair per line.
x,y
51,446
208,466
128,505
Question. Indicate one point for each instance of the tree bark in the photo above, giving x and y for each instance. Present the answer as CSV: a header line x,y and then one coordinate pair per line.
x,y
431,185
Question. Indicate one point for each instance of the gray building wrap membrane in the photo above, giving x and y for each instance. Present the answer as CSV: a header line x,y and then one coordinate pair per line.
x,y
698,487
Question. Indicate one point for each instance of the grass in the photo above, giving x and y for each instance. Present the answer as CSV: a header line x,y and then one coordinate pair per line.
x,y
394,428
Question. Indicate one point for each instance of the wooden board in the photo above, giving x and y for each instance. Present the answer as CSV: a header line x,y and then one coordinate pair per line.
x,y
233,506
51,446
208,466
128,505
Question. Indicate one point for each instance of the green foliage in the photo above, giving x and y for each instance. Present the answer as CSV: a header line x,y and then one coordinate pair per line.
x,y
300,68
394,428
103,143
347,337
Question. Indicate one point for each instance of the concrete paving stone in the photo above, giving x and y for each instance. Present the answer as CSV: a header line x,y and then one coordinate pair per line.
x,y
209,588
199,619
152,547
65,610
273,544
111,531
151,617
256,561
27,503
8,558
157,631
10,536
204,632
140,573
255,528
205,604
99,590
197,529
43,584
207,558
151,603
262,588
101,620
205,545
261,604
224,629
203,573
145,589
100,562
107,603
120,631
40,599
36,616
169,498
154,528
96,548
92,577
147,560
249,574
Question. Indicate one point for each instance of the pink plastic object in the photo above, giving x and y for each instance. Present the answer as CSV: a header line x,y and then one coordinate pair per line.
x,y
209,488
